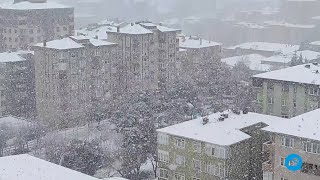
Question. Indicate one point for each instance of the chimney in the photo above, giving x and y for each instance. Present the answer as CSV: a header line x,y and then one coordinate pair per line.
x,y
246,110
205,120
45,43
118,29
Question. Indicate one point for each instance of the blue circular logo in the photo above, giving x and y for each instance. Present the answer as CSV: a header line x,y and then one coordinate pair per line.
x,y
293,162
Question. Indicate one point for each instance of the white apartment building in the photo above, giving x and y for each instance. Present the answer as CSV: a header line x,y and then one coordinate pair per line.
x,y
72,74
299,135
27,22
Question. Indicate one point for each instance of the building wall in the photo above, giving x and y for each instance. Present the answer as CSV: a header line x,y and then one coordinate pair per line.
x,y
280,151
70,82
235,164
18,88
297,97
22,28
137,63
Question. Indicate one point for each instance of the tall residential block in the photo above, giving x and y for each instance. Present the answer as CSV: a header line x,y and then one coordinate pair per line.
x,y
27,22
73,75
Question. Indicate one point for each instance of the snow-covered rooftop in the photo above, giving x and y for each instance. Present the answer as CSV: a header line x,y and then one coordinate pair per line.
x,y
306,74
286,58
286,24
61,44
99,32
132,28
13,122
10,57
253,61
315,43
192,42
250,25
25,5
26,167
98,42
217,132
267,46
306,126
166,29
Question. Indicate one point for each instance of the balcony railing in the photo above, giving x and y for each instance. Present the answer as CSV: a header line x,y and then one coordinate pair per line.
x,y
268,166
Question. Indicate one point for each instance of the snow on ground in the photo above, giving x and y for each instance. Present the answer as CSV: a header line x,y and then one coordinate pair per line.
x,y
266,46
306,126
253,61
26,167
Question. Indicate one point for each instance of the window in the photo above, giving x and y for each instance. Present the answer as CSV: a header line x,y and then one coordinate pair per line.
x,y
163,174
284,116
65,28
267,175
180,160
270,100
284,103
215,170
282,161
197,146
179,176
163,138
283,178
197,165
313,91
285,88
215,151
180,143
295,89
294,103
311,147
163,156
287,142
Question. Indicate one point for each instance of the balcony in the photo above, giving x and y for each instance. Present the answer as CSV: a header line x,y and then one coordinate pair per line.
x,y
268,147
268,166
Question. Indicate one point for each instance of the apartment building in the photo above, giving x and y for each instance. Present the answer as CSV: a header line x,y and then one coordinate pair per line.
x,y
199,52
221,146
287,92
300,135
26,22
73,74
17,84
147,56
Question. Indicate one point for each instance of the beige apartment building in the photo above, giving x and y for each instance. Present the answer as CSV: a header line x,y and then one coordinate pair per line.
x,y
288,92
26,22
72,75
300,135
195,51
147,55
224,145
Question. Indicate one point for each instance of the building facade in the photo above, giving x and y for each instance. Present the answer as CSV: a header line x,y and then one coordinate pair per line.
x,y
200,149
287,92
23,24
17,84
73,75
302,139
147,56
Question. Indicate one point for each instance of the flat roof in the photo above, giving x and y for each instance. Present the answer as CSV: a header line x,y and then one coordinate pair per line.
x,y
26,167
25,5
306,126
61,44
253,61
196,42
223,133
305,74
131,29
267,46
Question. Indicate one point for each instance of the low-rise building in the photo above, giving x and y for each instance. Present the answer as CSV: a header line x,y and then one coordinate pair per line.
x,y
73,74
221,146
17,84
24,23
28,167
288,92
300,135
